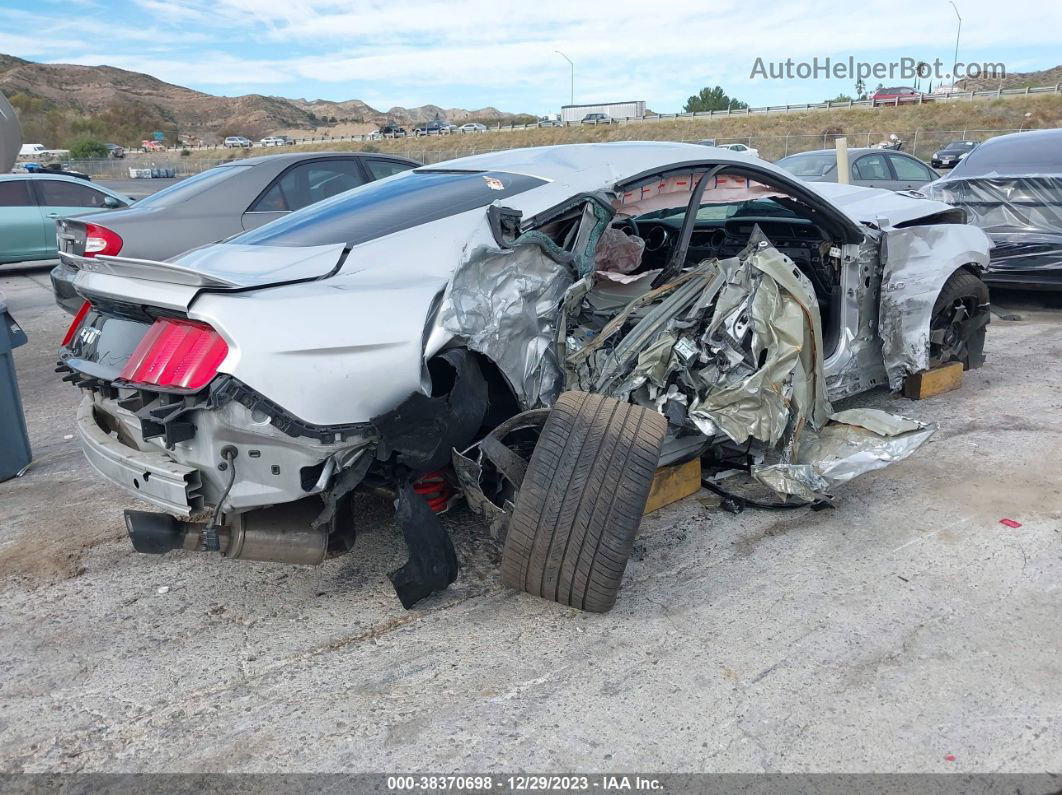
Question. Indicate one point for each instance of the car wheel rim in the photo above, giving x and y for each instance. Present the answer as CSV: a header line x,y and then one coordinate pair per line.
x,y
947,342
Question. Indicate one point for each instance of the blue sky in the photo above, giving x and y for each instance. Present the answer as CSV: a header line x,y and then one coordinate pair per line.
x,y
477,53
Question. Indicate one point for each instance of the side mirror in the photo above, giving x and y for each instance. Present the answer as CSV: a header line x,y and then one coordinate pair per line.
x,y
111,203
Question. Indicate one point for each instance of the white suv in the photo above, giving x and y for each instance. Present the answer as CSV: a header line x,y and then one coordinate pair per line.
x,y
236,141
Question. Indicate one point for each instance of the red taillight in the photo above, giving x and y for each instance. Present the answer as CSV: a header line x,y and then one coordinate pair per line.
x,y
80,316
176,353
101,240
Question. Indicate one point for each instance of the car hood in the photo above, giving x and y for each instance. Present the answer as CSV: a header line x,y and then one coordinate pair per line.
x,y
877,206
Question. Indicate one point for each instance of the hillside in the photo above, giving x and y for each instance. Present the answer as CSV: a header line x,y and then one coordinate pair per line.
x,y
924,128
59,101
1043,77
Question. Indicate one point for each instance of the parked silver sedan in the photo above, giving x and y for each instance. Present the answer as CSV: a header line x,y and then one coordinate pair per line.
x,y
212,206
869,168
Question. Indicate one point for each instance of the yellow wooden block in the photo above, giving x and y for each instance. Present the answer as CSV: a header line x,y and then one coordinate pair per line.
x,y
933,382
673,483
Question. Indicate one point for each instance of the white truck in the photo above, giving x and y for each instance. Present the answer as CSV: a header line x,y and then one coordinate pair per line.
x,y
32,150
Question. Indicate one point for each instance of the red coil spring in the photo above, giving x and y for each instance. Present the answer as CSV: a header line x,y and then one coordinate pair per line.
x,y
435,489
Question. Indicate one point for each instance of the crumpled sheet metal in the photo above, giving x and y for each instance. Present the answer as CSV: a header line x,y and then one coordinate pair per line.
x,y
774,304
735,347
506,304
854,442
755,371
917,262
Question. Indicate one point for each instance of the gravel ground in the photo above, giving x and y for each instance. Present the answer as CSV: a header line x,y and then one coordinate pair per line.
x,y
907,630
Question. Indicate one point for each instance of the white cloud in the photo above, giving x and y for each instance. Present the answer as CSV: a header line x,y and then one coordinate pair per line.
x,y
501,52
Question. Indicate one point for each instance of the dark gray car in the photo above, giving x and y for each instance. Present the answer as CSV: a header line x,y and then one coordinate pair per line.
x,y
869,168
212,206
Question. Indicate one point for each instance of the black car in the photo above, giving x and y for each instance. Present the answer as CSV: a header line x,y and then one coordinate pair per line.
x,y
1011,187
432,128
951,155
55,168
392,130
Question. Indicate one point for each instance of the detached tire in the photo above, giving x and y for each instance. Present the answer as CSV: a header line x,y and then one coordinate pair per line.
x,y
957,327
581,501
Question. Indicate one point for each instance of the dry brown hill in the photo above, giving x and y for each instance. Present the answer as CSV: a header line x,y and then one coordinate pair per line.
x,y
1043,77
95,90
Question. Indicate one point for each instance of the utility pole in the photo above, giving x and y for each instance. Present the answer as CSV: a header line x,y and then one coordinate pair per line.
x,y
958,30
569,60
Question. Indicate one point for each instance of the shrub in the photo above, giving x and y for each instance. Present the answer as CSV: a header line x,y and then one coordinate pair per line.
x,y
86,148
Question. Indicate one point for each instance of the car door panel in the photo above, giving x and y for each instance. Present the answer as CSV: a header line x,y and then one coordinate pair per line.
x,y
872,171
911,174
63,198
21,226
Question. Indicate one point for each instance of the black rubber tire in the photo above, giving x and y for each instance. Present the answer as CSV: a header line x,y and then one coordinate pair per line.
x,y
581,501
968,288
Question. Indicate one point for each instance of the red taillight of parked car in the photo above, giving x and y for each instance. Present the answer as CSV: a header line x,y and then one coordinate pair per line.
x,y
176,353
78,318
101,240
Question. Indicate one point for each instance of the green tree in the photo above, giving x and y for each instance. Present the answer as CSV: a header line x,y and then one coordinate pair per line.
x,y
86,148
839,98
712,99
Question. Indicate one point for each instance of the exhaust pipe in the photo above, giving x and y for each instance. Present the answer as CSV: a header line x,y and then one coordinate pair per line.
x,y
281,534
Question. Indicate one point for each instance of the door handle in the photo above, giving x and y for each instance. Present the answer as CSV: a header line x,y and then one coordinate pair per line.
x,y
52,215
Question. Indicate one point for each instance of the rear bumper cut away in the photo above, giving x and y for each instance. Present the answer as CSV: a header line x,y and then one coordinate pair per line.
x,y
153,477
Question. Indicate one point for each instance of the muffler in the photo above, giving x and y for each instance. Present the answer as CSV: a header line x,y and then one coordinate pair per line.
x,y
280,534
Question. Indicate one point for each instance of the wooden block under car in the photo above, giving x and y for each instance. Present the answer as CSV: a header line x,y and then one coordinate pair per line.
x,y
933,382
673,483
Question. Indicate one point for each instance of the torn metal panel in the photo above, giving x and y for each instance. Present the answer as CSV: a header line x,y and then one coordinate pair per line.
x,y
768,372
916,261
854,442
854,363
506,304
616,374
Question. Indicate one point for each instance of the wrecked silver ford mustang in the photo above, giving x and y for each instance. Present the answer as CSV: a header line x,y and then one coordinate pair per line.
x,y
535,330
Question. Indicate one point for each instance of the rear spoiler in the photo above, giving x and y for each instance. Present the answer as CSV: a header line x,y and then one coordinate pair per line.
x,y
224,267
149,270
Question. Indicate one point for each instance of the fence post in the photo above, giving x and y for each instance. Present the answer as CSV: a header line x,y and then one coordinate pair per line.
x,y
786,145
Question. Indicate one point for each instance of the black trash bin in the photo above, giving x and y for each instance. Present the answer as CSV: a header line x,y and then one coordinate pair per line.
x,y
15,452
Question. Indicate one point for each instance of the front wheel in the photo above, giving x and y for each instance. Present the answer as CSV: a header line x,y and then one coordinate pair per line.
x,y
960,316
